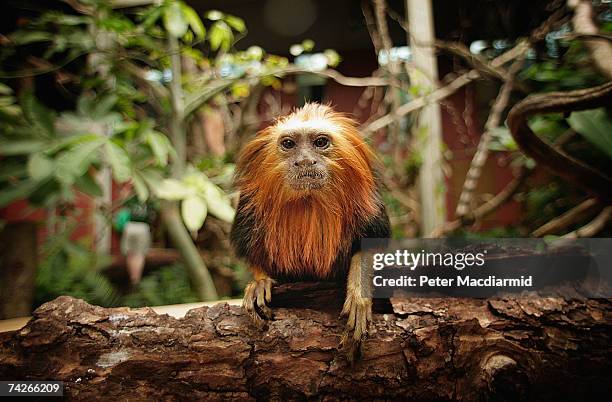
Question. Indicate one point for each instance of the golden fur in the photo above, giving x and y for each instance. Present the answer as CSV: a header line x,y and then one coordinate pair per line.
x,y
304,231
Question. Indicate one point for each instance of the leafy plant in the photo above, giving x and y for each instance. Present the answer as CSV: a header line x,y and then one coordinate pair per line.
x,y
199,196
51,154
135,102
595,126
167,285
70,269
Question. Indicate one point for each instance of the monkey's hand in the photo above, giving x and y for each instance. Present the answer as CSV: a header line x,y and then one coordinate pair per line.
x,y
358,309
257,296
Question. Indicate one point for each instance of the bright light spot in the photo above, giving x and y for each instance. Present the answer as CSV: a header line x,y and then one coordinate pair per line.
x,y
313,62
401,54
478,46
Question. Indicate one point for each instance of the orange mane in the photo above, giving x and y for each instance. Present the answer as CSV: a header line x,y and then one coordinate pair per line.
x,y
305,231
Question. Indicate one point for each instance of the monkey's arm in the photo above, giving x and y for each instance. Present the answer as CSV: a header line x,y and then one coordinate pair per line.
x,y
257,294
357,308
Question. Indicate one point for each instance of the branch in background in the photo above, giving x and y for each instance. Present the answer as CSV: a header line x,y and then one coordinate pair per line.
x,y
480,157
593,227
406,200
599,35
348,81
371,25
199,275
459,49
154,89
485,209
393,67
198,272
442,92
568,218
600,49
557,161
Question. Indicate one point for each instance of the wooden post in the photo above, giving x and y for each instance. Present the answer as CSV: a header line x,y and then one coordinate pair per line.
x,y
431,180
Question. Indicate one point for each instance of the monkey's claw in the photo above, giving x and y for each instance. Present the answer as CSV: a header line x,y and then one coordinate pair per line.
x,y
358,311
257,296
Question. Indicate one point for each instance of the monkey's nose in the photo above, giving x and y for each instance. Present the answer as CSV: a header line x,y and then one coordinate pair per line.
x,y
305,162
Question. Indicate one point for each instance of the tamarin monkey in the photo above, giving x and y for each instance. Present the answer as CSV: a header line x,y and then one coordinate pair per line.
x,y
308,195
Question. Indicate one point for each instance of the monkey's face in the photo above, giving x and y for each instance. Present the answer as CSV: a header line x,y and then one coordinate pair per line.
x,y
306,157
314,150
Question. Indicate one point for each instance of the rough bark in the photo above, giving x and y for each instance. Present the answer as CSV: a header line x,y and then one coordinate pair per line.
x,y
422,349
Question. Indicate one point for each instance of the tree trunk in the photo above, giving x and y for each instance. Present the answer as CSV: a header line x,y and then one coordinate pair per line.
x,y
421,349
199,275
198,272
18,262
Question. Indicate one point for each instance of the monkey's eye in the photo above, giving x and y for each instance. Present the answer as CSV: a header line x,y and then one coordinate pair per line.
x,y
287,143
321,142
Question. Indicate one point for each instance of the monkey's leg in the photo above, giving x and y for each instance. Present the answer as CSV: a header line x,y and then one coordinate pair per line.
x,y
257,294
358,309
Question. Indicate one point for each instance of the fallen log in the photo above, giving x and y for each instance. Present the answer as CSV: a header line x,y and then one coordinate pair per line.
x,y
539,349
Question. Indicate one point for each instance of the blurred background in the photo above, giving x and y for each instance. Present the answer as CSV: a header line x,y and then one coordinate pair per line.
x,y
120,123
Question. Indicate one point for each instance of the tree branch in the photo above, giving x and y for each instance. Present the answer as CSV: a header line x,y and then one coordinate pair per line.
x,y
451,349
600,49
595,226
560,163
568,218
485,209
442,92
480,157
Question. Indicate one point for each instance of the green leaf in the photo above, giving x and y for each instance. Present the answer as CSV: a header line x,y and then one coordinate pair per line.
x,y
75,162
12,170
22,147
502,140
173,190
38,114
194,21
220,36
104,105
6,101
152,177
333,58
26,37
218,202
595,126
193,211
308,45
296,50
88,185
160,145
174,20
255,52
85,104
39,166
119,161
18,191
151,15
67,19
198,97
214,15
235,22
140,187
5,89
47,191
